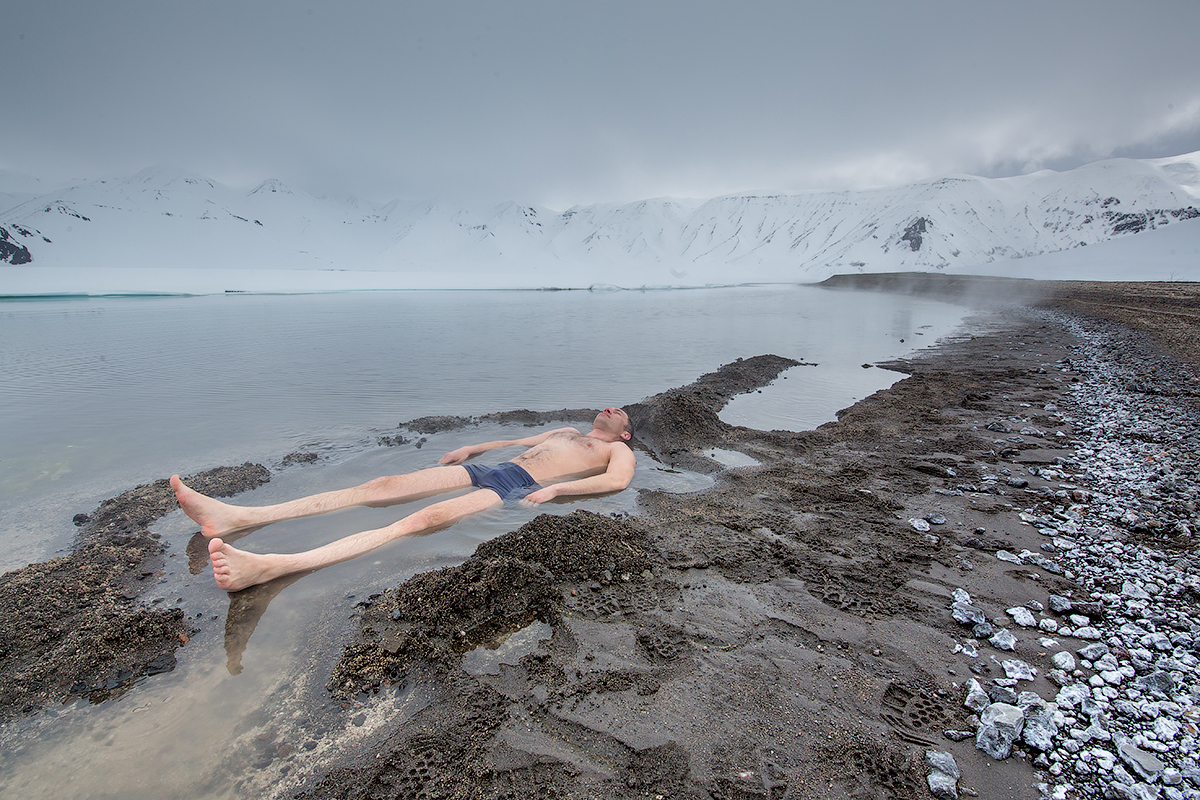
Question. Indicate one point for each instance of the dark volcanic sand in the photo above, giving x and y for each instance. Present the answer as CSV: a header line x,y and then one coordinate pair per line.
x,y
784,634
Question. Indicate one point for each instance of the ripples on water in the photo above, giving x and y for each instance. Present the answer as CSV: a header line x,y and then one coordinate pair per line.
x,y
102,394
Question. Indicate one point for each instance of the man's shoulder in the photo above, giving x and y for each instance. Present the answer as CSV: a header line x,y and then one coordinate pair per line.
x,y
620,446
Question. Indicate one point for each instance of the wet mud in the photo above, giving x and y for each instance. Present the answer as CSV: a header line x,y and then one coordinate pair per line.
x,y
782,635
74,626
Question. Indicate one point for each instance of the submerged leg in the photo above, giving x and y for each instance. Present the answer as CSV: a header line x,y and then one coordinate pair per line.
x,y
216,518
236,569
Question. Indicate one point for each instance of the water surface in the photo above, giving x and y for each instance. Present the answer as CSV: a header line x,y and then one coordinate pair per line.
x,y
103,394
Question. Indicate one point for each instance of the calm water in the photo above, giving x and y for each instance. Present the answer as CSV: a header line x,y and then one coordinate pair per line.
x,y
99,395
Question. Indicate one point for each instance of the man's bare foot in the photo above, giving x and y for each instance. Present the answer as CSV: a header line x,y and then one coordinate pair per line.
x,y
214,517
236,569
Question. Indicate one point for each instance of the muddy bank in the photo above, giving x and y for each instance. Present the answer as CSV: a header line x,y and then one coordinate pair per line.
x,y
789,634
74,626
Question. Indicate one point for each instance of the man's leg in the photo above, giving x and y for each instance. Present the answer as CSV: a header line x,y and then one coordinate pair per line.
x,y
236,569
218,519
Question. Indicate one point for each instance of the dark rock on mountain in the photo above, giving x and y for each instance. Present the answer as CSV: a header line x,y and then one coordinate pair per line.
x,y
11,252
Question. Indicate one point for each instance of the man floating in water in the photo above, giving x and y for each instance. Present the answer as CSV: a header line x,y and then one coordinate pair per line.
x,y
558,463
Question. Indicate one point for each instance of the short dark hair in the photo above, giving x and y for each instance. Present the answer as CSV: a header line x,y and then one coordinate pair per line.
x,y
628,423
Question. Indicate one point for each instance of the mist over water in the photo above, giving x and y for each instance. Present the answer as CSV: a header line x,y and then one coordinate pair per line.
x,y
103,394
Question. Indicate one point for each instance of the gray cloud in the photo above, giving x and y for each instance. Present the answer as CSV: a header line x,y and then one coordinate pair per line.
x,y
564,103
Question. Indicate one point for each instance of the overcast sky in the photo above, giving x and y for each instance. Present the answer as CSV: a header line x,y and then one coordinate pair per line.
x,y
559,103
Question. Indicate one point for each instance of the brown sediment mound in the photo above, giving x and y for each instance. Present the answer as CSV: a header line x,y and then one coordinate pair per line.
x,y
680,421
73,626
522,416
435,617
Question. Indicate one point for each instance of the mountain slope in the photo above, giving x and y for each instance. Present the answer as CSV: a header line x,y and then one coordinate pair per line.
x,y
166,219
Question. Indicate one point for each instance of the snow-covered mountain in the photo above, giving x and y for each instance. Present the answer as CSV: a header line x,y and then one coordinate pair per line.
x,y
167,230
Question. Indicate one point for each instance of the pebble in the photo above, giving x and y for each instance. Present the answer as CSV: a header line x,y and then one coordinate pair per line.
x,y
1018,670
943,776
1063,660
999,726
1022,616
1003,640
1125,722
967,614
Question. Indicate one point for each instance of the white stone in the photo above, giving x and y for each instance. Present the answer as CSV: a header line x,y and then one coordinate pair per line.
x,y
942,786
1133,591
977,699
1022,616
1071,696
942,761
1003,640
1063,660
1017,670
999,726
1166,730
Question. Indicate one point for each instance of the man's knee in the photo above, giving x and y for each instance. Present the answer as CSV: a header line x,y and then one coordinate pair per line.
x,y
383,490
431,518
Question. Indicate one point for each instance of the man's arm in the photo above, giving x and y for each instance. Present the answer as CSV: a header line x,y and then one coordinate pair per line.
x,y
463,453
616,477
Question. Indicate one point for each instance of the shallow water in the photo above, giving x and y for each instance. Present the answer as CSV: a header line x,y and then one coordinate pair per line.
x,y
103,394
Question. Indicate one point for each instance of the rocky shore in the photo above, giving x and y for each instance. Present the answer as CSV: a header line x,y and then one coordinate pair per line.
x,y
980,582
1123,647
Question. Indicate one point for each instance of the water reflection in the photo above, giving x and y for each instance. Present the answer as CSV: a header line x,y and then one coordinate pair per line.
x,y
505,647
246,609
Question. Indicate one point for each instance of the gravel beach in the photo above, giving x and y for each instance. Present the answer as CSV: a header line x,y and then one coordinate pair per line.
x,y
980,582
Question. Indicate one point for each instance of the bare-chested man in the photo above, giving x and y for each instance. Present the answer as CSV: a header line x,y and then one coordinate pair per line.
x,y
557,463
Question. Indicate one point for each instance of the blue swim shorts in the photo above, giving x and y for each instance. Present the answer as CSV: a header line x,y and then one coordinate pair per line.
x,y
508,480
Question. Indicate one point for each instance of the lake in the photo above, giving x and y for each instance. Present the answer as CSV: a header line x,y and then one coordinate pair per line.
x,y
102,394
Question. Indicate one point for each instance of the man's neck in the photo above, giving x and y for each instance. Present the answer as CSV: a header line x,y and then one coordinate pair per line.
x,y
603,436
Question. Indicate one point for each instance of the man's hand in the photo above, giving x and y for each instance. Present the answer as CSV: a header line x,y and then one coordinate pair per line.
x,y
540,496
456,456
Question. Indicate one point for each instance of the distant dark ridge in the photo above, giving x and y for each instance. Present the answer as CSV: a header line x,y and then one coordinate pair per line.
x,y
971,289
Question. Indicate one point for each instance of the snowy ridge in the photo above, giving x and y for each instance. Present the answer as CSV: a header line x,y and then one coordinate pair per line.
x,y
165,229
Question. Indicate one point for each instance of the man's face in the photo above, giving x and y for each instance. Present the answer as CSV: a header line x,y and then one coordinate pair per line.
x,y
613,420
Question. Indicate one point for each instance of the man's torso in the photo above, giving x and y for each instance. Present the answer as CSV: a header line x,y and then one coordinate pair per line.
x,y
565,454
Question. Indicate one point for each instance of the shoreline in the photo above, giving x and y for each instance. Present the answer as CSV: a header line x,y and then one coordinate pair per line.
x,y
789,632
785,633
